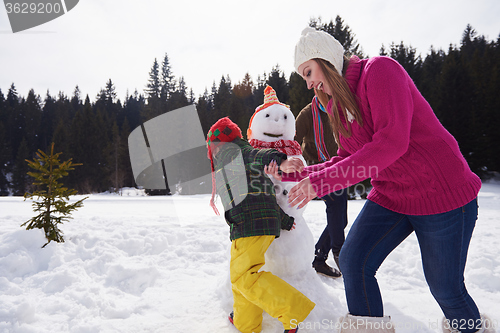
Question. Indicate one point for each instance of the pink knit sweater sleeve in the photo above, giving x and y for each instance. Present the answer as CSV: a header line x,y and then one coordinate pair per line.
x,y
390,108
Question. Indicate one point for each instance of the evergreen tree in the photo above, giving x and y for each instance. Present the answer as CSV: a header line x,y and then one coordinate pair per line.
x,y
153,89
493,106
222,100
454,108
61,136
6,154
86,144
212,95
239,111
77,147
477,62
114,155
47,123
3,108
202,107
431,70
124,160
300,96
406,56
191,98
244,88
101,100
15,120
32,112
109,105
20,180
342,32
110,92
258,92
64,111
243,93
97,171
5,158
76,101
133,108
277,80
54,207
167,81
12,97
153,86
471,42
383,51
179,98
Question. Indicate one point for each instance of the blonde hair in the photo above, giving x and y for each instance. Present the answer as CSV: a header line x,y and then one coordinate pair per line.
x,y
342,97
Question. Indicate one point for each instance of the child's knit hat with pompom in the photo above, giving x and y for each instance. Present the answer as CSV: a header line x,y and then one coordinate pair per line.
x,y
224,130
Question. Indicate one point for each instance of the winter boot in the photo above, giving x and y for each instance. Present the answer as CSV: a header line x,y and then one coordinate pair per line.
x,y
336,258
322,268
231,320
359,324
487,326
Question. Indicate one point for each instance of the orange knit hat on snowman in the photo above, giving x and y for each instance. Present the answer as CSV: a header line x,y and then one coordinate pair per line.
x,y
270,98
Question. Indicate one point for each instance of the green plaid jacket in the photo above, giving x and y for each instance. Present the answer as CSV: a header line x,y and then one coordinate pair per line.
x,y
246,192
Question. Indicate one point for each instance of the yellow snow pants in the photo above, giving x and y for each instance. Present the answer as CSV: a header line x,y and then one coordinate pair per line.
x,y
255,292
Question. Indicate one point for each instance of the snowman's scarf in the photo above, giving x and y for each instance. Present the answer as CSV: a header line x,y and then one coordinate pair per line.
x,y
289,147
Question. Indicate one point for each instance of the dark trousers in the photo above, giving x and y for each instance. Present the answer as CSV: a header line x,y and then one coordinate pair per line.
x,y
333,236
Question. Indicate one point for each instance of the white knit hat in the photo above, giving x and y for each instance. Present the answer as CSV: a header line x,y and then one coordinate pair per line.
x,y
319,44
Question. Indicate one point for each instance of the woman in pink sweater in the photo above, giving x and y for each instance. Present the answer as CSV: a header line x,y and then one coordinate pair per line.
x,y
421,182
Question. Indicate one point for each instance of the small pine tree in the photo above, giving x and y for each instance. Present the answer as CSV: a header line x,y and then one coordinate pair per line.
x,y
54,208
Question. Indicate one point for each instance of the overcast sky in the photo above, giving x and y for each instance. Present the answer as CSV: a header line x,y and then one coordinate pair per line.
x,y
119,39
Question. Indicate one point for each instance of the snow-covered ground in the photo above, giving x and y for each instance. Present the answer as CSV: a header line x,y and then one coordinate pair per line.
x,y
134,263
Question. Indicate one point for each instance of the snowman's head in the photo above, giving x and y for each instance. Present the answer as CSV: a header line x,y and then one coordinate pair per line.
x,y
272,121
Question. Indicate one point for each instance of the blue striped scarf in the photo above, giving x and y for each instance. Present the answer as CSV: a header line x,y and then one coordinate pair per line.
x,y
316,108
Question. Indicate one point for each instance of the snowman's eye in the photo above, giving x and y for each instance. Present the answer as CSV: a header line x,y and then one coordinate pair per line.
x,y
285,116
285,192
267,115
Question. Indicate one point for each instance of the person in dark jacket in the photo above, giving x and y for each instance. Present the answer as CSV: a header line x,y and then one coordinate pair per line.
x,y
255,220
314,134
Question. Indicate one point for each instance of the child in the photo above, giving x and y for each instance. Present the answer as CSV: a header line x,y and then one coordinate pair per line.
x,y
255,219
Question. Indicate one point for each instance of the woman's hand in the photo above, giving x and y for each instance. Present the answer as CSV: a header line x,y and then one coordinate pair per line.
x,y
291,165
272,169
301,193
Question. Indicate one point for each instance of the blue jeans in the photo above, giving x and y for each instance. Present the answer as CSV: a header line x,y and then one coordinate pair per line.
x,y
443,240
333,236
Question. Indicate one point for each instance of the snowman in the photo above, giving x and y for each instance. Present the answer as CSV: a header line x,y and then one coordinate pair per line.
x,y
273,126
